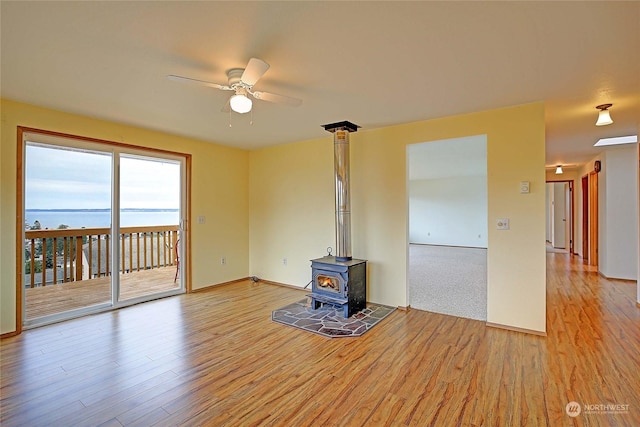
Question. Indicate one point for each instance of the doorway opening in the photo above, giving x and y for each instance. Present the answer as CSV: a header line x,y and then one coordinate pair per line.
x,y
448,226
559,217
102,226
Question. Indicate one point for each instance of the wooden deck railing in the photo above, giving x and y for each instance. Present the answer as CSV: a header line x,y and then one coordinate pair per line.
x,y
75,254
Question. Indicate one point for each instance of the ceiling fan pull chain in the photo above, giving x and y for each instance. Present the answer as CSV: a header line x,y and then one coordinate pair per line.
x,y
229,118
251,121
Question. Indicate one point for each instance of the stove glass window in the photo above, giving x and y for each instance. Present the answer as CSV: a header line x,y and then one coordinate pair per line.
x,y
328,283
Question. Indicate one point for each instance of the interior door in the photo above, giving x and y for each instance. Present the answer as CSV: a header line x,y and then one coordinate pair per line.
x,y
585,219
593,218
568,215
559,216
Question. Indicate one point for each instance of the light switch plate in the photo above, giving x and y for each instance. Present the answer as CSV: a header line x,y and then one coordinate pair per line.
x,y
502,223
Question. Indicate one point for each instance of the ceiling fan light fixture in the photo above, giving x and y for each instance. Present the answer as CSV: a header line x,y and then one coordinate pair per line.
x,y
604,118
559,170
241,81
239,102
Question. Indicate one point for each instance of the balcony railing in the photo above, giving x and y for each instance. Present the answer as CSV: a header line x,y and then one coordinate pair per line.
x,y
72,254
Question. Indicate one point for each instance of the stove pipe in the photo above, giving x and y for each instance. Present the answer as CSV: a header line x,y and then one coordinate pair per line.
x,y
341,132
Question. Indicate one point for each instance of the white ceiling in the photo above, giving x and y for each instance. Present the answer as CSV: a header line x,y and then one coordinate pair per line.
x,y
373,63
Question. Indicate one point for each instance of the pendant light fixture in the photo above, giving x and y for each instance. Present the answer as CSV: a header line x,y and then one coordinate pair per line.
x,y
559,170
603,116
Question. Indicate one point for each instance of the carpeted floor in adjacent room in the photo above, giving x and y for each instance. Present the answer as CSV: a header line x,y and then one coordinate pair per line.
x,y
448,280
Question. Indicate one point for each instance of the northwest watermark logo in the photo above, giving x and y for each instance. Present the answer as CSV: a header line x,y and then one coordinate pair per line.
x,y
573,409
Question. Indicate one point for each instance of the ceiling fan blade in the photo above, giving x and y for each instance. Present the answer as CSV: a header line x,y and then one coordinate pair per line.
x,y
255,69
278,99
199,82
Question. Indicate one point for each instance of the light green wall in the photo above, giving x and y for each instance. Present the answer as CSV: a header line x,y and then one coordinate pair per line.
x,y
219,191
292,208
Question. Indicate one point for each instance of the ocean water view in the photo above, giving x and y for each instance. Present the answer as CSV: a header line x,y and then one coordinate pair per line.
x,y
101,217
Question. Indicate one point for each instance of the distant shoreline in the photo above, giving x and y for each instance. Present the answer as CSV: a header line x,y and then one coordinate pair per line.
x,y
78,218
103,210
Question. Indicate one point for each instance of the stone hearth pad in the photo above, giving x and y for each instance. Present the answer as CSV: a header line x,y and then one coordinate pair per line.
x,y
328,321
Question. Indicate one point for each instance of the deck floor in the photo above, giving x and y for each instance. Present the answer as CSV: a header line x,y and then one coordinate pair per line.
x,y
63,297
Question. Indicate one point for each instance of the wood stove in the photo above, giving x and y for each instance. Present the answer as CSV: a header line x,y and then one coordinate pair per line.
x,y
341,284
340,280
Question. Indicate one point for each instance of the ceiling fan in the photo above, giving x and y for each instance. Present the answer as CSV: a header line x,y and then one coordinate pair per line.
x,y
241,81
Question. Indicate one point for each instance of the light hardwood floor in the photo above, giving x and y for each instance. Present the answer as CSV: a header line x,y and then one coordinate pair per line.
x,y
215,358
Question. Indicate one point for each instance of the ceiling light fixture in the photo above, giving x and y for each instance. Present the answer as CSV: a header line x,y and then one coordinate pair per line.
x,y
239,102
558,169
603,116
631,139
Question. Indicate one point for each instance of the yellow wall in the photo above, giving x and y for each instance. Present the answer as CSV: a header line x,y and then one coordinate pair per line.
x,y
219,191
278,202
292,208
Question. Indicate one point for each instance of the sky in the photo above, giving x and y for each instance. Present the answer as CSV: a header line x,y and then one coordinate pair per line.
x,y
72,179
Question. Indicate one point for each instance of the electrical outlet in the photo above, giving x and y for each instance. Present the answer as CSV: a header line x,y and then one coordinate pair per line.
x,y
202,219
284,261
223,260
502,223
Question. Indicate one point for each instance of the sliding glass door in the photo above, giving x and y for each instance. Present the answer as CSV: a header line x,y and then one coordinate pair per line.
x,y
149,209
67,220
102,226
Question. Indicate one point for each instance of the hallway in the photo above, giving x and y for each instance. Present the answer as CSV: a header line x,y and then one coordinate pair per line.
x,y
593,335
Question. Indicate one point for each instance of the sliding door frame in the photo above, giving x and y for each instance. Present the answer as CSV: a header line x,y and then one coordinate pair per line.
x,y
185,214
